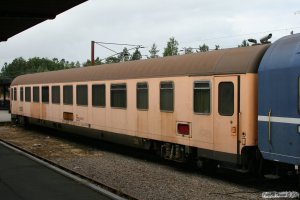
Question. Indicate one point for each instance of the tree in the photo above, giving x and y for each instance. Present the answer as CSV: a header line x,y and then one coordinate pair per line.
x,y
124,55
153,51
203,48
62,62
172,47
77,64
55,60
98,61
244,44
217,47
112,59
15,68
21,66
188,50
136,55
88,62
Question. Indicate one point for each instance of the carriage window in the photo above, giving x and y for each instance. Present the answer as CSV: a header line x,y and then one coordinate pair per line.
x,y
166,96
21,94
56,94
68,94
98,95
202,97
36,94
45,94
142,96
118,95
226,99
82,95
15,94
11,94
27,94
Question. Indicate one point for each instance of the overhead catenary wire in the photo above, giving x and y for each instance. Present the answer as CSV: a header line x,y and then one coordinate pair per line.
x,y
118,53
238,35
135,46
120,44
202,39
247,34
105,47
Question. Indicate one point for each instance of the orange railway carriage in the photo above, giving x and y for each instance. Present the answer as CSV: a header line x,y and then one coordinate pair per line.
x,y
201,106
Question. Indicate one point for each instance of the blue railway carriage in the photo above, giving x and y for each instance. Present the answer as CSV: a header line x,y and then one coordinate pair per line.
x,y
279,102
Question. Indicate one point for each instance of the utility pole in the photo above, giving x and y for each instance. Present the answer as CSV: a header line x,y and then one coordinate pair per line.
x,y
93,52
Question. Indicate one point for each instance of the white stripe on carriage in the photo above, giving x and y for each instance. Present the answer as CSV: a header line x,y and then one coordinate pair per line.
x,y
286,120
280,154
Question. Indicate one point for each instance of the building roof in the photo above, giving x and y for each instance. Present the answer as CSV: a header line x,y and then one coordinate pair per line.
x,y
19,15
227,61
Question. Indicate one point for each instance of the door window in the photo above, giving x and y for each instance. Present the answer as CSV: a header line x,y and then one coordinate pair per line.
x,y
226,99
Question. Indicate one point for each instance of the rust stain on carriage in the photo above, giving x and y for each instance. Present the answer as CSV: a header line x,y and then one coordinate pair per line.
x,y
168,126
35,110
44,111
78,118
142,119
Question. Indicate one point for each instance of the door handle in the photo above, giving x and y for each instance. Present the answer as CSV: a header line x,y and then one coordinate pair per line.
x,y
269,139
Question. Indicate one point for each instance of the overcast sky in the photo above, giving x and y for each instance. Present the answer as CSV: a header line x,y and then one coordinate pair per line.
x,y
191,22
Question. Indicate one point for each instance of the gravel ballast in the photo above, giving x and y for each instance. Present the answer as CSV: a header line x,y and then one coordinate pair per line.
x,y
133,172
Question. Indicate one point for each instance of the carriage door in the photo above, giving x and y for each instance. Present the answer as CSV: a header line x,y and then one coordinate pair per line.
x,y
226,117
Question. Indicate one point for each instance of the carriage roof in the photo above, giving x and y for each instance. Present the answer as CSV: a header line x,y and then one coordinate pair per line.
x,y
226,61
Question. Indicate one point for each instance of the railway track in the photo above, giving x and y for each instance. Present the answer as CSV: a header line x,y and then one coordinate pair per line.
x,y
136,174
103,189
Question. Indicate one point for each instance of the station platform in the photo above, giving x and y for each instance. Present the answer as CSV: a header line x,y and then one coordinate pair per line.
x,y
23,178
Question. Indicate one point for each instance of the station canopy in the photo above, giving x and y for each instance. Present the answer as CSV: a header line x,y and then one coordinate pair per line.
x,y
19,15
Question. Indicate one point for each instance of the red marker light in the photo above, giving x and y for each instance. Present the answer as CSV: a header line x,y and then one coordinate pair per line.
x,y
183,129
